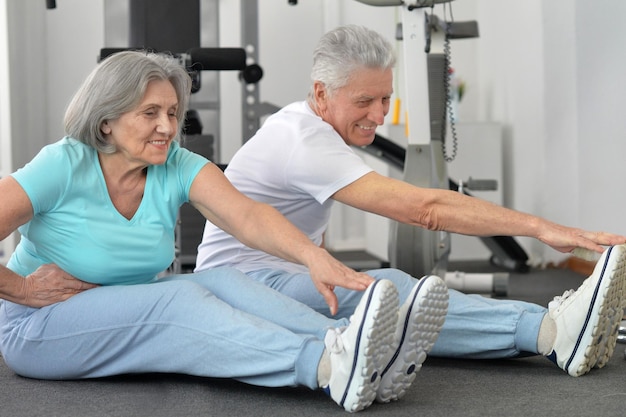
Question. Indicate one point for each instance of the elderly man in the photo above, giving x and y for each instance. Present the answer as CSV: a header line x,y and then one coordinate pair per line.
x,y
301,161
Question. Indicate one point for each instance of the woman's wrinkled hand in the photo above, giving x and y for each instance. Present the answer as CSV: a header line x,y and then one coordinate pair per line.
x,y
49,284
328,273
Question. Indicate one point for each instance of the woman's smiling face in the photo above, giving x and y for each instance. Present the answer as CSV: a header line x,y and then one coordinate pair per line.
x,y
144,134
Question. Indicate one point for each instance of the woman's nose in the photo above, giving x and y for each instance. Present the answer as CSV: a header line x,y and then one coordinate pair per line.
x,y
165,124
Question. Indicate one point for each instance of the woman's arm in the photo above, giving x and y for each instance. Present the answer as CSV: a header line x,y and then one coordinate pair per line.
x,y
262,227
48,284
15,209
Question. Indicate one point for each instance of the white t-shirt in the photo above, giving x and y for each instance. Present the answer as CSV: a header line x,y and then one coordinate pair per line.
x,y
295,163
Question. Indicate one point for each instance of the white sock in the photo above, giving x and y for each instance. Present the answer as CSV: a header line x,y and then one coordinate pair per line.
x,y
547,335
323,370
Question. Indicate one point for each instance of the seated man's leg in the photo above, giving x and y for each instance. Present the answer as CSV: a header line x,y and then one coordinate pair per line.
x,y
479,327
300,287
475,327
586,321
578,334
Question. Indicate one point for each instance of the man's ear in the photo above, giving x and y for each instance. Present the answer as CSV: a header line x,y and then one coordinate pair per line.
x,y
320,94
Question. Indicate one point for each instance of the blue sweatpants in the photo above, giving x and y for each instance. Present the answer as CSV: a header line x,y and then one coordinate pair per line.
x,y
476,327
216,323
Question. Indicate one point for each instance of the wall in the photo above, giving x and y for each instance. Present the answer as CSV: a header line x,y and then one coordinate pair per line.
x,y
510,79
6,246
552,72
562,137
601,87
51,52
5,102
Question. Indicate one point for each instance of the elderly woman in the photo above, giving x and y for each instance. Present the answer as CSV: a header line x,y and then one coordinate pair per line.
x,y
301,161
96,211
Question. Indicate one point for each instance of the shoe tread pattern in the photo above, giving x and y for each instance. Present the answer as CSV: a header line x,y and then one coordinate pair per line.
x,y
382,312
422,323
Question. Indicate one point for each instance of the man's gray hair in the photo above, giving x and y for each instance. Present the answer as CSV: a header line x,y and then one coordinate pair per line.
x,y
346,49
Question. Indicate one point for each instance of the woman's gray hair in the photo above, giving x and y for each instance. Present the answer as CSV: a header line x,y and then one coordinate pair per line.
x,y
116,86
342,51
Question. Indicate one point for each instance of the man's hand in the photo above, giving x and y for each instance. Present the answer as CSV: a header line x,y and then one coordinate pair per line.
x,y
566,239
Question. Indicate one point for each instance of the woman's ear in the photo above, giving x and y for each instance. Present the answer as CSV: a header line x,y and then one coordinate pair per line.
x,y
105,128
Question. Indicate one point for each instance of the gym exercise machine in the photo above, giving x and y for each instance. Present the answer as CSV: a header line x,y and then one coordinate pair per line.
x,y
425,41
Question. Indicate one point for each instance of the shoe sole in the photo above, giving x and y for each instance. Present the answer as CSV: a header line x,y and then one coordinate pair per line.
x,y
598,337
374,336
422,317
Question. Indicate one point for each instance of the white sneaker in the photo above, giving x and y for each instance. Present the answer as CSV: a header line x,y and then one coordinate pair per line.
x,y
420,319
356,350
587,320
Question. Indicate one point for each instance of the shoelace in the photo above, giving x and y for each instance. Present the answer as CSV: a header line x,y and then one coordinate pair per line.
x,y
333,340
558,300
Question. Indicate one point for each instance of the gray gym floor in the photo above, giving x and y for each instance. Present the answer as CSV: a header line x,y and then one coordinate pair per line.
x,y
444,387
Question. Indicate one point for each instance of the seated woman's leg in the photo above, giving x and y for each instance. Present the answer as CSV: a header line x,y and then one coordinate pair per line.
x,y
175,326
178,326
245,294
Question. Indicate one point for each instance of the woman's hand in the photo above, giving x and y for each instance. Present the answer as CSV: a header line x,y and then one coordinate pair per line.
x,y
262,227
328,273
49,284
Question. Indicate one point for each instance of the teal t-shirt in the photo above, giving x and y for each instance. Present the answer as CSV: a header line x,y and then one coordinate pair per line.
x,y
76,226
